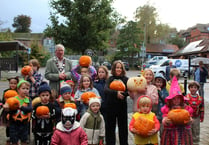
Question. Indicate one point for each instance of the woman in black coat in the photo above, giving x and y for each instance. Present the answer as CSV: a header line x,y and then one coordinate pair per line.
x,y
116,107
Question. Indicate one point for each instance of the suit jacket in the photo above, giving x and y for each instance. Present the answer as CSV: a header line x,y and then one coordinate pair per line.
x,y
52,73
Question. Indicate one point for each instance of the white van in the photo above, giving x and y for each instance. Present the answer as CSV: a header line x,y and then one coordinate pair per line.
x,y
156,59
181,64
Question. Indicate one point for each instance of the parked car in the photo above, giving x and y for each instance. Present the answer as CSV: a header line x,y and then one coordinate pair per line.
x,y
126,65
107,64
148,64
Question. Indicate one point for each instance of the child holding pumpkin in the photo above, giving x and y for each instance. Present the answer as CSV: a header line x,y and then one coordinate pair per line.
x,y
19,115
86,85
64,98
43,116
176,118
10,92
92,123
144,123
34,78
99,84
197,103
116,102
151,88
84,67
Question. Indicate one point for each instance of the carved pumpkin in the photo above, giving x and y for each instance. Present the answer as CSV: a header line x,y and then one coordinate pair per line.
x,y
13,103
9,94
143,125
179,116
25,70
117,85
85,60
42,110
36,101
71,105
86,96
138,84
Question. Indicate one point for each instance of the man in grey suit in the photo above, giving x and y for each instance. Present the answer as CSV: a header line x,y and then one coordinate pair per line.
x,y
58,68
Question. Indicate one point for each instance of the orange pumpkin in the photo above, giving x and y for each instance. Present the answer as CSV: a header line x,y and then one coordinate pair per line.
x,y
36,101
85,60
42,110
71,105
179,116
9,94
13,103
138,84
86,96
143,125
25,70
117,85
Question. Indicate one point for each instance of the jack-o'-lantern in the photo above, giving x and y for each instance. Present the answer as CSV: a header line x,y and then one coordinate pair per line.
x,y
179,116
71,105
25,70
143,125
86,96
85,60
42,110
117,85
9,94
13,103
137,84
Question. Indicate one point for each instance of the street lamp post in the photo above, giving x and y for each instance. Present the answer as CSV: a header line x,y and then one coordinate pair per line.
x,y
143,48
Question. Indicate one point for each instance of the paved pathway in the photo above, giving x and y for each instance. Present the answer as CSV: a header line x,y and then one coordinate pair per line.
x,y
204,132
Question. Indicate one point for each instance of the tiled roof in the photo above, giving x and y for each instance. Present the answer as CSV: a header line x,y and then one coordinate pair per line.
x,y
165,48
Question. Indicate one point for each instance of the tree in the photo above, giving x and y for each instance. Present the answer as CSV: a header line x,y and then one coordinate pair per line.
x,y
87,23
177,41
128,41
146,17
22,24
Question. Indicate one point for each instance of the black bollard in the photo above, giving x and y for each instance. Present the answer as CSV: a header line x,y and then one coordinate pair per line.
x,y
185,83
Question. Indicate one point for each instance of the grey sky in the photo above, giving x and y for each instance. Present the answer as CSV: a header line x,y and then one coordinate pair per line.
x,y
181,14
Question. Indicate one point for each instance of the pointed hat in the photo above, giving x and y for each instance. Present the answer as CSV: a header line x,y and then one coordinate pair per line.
x,y
174,89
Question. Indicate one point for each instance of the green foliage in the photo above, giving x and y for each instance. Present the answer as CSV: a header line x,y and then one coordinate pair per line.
x,y
128,41
5,36
86,24
22,24
177,41
146,16
37,52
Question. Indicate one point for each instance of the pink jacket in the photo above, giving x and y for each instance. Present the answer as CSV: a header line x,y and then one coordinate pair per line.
x,y
75,137
152,93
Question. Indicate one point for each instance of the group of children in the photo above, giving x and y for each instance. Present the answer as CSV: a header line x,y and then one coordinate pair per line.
x,y
85,125
50,128
170,96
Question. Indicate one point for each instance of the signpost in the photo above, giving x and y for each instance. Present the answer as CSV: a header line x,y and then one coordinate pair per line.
x,y
143,53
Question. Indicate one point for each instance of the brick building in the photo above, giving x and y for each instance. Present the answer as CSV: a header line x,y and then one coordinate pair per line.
x,y
197,32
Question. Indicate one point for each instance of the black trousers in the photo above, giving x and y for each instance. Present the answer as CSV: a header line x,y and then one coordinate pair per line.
x,y
42,138
118,116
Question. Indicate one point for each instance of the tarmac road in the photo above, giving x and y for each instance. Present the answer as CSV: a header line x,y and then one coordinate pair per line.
x,y
204,132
